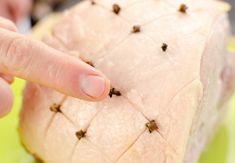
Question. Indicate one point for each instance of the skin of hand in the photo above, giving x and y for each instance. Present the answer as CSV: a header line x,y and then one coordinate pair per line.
x,y
15,9
34,61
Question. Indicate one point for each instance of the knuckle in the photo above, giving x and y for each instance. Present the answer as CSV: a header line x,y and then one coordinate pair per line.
x,y
55,73
16,57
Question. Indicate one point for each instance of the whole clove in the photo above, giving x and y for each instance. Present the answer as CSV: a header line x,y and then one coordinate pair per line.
x,y
183,8
93,2
164,47
56,108
152,126
113,91
90,63
136,29
116,9
80,134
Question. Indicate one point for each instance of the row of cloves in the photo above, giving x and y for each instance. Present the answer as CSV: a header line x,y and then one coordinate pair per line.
x,y
56,108
137,28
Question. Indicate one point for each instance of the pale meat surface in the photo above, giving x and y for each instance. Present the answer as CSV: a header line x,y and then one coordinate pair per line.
x,y
167,86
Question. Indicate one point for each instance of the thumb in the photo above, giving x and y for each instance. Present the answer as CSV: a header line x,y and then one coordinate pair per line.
x,y
6,98
34,61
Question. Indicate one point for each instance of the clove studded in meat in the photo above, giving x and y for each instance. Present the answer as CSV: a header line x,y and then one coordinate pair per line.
x,y
93,2
113,91
152,126
183,8
80,134
164,47
56,108
116,9
90,63
136,29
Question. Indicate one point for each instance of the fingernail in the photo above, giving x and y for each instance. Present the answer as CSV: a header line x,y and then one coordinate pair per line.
x,y
93,86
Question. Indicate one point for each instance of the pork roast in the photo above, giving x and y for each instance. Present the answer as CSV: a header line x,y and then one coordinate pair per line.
x,y
170,78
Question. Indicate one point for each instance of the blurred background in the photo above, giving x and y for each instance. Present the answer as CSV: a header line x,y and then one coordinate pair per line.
x,y
232,14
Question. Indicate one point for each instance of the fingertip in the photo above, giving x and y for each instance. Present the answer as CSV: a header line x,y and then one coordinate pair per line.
x,y
6,98
76,78
106,90
93,86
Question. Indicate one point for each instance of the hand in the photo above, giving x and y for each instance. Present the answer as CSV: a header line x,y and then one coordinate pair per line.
x,y
36,62
15,9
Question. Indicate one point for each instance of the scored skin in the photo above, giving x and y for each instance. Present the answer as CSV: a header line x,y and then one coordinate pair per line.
x,y
155,85
35,119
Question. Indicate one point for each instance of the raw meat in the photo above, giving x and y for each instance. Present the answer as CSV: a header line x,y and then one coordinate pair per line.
x,y
166,58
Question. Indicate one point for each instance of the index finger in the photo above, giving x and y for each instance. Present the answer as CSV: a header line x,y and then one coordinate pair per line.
x,y
36,62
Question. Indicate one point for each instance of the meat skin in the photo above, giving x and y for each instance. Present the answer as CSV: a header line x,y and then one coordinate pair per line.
x,y
184,88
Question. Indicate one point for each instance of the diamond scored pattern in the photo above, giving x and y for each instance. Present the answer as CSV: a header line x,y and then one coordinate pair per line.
x,y
110,119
